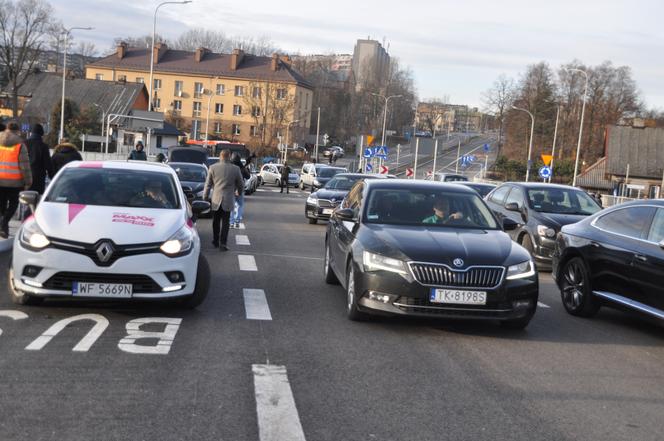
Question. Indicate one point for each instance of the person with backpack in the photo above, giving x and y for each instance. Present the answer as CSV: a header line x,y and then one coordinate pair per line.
x,y
15,174
238,210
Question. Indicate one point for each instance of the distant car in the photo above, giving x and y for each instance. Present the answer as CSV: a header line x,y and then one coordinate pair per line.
x,y
309,173
331,150
193,154
540,210
271,174
251,184
446,177
192,176
423,134
613,258
324,175
480,187
211,161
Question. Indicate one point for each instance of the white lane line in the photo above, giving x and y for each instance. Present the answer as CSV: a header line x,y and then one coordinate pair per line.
x,y
278,419
247,263
261,189
255,304
241,227
241,239
275,190
542,305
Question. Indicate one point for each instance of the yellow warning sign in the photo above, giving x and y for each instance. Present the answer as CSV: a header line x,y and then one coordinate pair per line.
x,y
547,159
370,139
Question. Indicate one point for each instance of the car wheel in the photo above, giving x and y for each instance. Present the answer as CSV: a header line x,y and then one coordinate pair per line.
x,y
313,220
575,289
351,296
527,243
519,323
260,181
202,284
276,182
19,297
330,277
301,185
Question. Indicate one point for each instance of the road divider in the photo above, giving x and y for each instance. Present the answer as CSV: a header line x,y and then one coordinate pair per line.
x,y
242,239
255,304
247,262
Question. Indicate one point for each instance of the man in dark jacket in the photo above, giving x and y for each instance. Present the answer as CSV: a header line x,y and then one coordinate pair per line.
x,y
238,210
138,154
40,159
64,153
285,172
15,174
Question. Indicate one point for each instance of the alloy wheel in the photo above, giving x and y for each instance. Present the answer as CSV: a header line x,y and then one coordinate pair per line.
x,y
351,288
573,285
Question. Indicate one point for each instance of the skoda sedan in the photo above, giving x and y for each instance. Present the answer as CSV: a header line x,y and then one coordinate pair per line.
x,y
110,230
418,248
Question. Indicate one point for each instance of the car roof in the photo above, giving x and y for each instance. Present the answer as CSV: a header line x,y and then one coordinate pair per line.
x,y
187,147
361,175
187,164
122,165
530,185
398,184
655,202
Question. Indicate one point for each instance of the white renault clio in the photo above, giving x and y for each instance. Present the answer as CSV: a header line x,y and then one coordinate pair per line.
x,y
112,230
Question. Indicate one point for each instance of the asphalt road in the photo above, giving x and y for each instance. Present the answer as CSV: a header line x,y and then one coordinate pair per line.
x,y
285,364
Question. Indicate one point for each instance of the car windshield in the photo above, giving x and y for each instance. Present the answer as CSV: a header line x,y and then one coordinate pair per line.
x,y
562,201
430,207
341,182
483,190
329,172
189,173
114,187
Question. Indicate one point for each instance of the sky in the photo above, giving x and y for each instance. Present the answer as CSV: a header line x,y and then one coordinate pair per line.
x,y
455,49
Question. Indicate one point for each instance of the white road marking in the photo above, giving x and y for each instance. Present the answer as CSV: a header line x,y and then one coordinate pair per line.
x,y
101,323
247,262
261,189
542,305
255,305
278,419
241,239
164,338
242,227
275,190
14,315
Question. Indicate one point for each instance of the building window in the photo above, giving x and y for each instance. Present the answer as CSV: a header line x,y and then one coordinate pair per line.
x,y
197,108
256,92
128,139
178,88
239,90
140,80
255,111
196,128
236,129
198,90
237,110
220,89
122,78
160,140
217,127
281,94
254,131
219,108
177,106
99,76
157,103
157,84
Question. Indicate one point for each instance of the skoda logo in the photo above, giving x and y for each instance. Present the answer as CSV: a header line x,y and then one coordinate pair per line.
x,y
104,252
458,262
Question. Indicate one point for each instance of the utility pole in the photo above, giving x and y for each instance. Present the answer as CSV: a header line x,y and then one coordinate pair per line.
x,y
435,156
553,149
417,149
317,134
456,169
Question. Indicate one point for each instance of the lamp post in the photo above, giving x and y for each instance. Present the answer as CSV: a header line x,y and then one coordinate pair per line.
x,y
64,76
387,99
154,29
530,144
287,128
207,119
583,112
317,134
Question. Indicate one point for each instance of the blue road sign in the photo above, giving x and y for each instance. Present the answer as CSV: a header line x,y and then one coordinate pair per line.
x,y
25,127
381,152
466,160
369,168
487,148
545,172
368,152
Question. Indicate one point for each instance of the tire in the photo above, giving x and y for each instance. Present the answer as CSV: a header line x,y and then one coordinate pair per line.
x,y
575,289
313,220
527,243
301,185
19,297
330,277
202,284
277,183
352,311
517,324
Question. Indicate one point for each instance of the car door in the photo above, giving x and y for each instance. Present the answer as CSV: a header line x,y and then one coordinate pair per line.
x,y
611,257
515,196
496,200
344,231
648,274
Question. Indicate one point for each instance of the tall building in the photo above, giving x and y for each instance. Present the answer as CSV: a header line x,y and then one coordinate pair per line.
x,y
237,96
371,64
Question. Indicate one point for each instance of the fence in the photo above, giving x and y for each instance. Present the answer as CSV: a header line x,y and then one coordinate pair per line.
x,y
610,201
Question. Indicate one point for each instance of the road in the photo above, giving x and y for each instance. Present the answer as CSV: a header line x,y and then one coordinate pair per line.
x,y
270,356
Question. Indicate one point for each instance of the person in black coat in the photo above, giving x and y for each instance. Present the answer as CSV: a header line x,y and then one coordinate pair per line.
x,y
40,159
64,153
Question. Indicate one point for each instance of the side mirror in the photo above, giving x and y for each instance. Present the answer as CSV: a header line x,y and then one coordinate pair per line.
x,y
29,198
661,244
345,214
188,192
512,206
509,224
200,207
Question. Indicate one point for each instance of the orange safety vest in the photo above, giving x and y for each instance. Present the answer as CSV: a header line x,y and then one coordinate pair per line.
x,y
9,164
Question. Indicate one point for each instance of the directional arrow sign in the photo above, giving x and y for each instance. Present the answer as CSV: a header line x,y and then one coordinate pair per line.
x,y
384,169
369,168
409,172
368,152
545,172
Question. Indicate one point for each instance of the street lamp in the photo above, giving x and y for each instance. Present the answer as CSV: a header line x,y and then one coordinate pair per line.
x,y
530,145
387,99
583,111
154,29
288,127
207,119
64,75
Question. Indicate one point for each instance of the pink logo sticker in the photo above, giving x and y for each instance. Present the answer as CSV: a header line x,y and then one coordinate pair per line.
x,y
91,164
74,210
127,218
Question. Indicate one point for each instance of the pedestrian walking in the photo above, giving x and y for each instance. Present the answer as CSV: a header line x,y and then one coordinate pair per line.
x,y
224,181
238,209
63,154
15,174
138,154
41,164
285,173
160,158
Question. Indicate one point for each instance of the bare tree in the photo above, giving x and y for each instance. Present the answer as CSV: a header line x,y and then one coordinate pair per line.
x,y
191,40
272,107
23,24
498,100
86,49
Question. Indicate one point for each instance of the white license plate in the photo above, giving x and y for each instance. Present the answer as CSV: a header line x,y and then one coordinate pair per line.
x,y
458,297
110,290
328,210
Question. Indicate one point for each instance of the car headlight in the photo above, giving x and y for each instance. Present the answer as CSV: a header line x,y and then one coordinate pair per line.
x,y
180,243
377,262
521,270
32,236
545,231
312,199
316,182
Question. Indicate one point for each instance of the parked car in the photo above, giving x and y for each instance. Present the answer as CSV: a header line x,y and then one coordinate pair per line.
x,y
331,150
271,174
117,230
251,184
211,161
321,204
417,248
481,188
322,176
192,176
192,153
540,210
613,258
446,177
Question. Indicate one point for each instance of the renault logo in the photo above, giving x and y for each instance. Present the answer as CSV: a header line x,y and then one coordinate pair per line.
x,y
458,262
104,252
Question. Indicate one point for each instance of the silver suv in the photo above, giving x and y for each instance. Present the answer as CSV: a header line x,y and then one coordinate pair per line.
x,y
309,174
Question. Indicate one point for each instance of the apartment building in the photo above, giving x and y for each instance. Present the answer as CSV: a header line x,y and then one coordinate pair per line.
x,y
370,64
237,96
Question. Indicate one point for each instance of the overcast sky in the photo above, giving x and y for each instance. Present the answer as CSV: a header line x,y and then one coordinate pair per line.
x,y
454,48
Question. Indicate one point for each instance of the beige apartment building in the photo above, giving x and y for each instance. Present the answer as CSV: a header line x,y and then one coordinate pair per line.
x,y
238,97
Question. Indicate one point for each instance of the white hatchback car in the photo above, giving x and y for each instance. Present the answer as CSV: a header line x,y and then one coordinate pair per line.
x,y
110,230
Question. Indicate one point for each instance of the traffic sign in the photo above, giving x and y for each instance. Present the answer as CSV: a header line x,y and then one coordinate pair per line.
x,y
381,152
409,172
487,148
369,168
384,169
370,139
547,159
466,160
545,172
368,152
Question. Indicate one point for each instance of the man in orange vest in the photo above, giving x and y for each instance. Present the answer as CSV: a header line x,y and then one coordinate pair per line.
x,y
15,174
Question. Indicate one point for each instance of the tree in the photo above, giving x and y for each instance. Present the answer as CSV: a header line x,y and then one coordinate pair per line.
x,y
217,41
71,111
86,49
498,101
23,25
271,107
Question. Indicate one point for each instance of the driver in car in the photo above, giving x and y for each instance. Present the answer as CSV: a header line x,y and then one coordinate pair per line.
x,y
441,209
152,197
